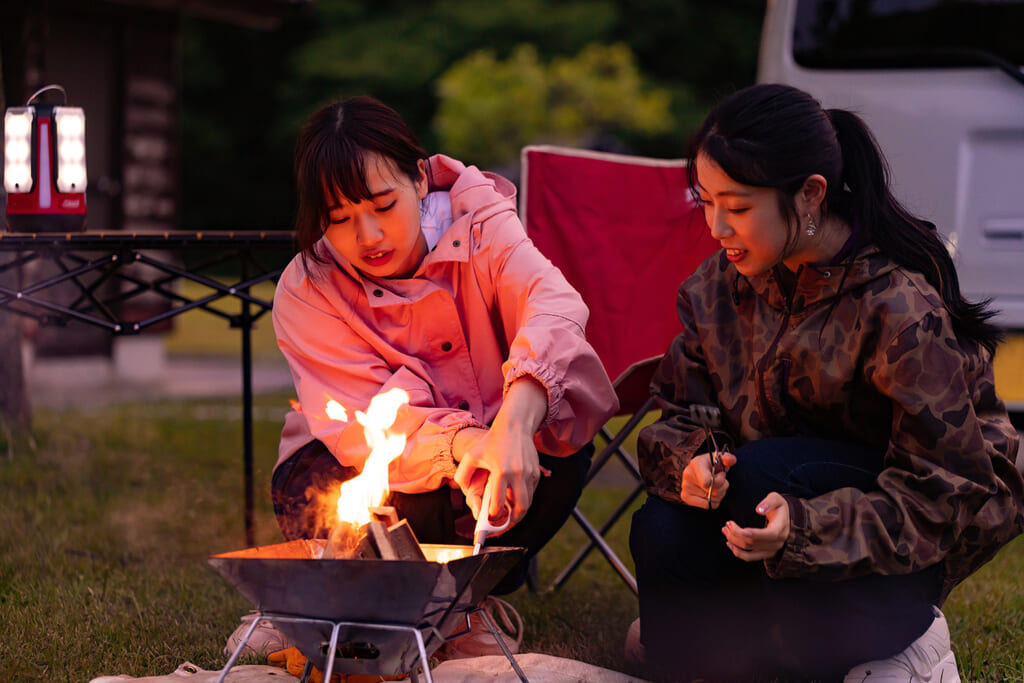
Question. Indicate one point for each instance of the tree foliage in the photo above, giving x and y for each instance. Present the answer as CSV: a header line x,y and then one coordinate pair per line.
x,y
490,108
246,92
397,52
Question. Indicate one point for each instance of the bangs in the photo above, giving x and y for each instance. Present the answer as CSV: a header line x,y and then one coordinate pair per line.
x,y
341,175
737,158
743,161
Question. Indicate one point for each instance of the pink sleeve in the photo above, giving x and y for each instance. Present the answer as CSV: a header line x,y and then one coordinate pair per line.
x,y
544,320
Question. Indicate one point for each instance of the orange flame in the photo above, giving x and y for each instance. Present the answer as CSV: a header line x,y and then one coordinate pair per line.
x,y
370,487
336,411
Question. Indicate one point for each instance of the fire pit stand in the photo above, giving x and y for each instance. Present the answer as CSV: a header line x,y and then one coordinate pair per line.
x,y
366,616
332,651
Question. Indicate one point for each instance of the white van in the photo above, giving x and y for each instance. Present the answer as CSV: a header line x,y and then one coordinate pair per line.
x,y
940,84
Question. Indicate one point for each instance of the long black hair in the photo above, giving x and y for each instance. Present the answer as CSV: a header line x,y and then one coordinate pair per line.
x,y
776,136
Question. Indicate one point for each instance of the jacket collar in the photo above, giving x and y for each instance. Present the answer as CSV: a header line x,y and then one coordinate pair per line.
x,y
817,283
473,192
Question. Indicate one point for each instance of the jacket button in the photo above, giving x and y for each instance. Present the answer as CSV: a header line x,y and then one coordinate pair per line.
x,y
378,293
456,243
447,346
463,405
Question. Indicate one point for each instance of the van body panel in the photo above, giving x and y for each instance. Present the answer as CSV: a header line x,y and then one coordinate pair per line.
x,y
954,140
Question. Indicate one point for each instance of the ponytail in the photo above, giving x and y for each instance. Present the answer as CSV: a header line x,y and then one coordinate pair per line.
x,y
774,135
864,199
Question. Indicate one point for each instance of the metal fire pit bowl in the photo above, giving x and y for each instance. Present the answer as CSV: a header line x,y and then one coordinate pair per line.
x,y
379,604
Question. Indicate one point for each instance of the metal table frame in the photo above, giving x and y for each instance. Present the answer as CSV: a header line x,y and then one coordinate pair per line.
x,y
91,259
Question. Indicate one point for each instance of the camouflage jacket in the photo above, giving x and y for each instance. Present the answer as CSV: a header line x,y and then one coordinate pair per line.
x,y
862,352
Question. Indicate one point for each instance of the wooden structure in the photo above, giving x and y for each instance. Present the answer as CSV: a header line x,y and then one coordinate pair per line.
x,y
121,61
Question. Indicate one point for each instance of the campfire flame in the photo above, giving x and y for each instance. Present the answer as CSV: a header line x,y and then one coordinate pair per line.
x,y
336,411
370,487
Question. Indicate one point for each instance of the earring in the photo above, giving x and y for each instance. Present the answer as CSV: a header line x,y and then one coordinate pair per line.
x,y
811,227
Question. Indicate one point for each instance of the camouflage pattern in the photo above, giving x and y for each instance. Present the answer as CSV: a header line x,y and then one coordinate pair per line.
x,y
863,352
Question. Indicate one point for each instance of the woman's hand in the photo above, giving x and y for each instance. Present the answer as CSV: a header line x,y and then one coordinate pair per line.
x,y
504,454
754,545
697,477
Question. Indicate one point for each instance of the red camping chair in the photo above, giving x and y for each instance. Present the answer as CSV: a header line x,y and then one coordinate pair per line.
x,y
625,232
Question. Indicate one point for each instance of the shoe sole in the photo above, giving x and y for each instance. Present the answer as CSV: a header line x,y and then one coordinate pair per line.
x,y
944,672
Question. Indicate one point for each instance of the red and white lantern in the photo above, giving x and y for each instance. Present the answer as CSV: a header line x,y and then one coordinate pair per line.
x,y
44,165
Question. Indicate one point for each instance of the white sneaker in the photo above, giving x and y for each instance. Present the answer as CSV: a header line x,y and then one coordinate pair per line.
x,y
264,640
478,641
928,659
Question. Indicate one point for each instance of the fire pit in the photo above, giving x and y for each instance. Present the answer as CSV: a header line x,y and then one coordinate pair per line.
x,y
364,616
370,599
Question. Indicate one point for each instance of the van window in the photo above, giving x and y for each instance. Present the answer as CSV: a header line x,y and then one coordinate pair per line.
x,y
887,34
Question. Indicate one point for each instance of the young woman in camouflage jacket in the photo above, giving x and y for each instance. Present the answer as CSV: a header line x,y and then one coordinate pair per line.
x,y
864,463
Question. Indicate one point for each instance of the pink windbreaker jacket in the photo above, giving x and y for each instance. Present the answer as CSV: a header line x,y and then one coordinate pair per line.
x,y
484,308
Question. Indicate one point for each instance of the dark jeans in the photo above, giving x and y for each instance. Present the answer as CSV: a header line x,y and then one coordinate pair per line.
x,y
305,491
705,613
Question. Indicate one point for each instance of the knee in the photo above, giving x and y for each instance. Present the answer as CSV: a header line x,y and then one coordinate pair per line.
x,y
801,466
749,483
571,470
657,536
750,478
761,467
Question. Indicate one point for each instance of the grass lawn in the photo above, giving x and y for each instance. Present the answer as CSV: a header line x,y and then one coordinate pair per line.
x,y
198,333
106,525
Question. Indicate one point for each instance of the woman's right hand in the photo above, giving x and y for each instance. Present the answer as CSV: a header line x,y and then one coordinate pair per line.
x,y
697,477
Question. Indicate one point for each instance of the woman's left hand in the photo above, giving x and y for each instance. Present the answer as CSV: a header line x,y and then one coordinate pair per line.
x,y
754,545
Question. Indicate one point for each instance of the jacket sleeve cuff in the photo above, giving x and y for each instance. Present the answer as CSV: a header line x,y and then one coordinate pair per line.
x,y
792,559
553,390
444,461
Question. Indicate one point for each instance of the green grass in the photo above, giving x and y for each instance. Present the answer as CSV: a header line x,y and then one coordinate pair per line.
x,y
200,333
104,530
106,525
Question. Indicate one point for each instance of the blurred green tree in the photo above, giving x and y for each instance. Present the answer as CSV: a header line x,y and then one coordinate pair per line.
x,y
396,51
246,92
491,108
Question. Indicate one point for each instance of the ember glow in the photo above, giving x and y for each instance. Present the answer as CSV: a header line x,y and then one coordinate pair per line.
x,y
370,487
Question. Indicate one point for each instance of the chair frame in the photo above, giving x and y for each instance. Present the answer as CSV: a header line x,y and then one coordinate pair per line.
x,y
632,385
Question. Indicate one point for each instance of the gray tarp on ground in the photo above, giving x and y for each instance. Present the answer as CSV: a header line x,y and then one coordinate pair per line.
x,y
537,667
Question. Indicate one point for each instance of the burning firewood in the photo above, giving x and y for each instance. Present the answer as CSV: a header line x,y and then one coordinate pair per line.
x,y
385,513
374,540
365,528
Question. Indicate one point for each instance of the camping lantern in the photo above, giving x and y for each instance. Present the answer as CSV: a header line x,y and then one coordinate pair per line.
x,y
44,165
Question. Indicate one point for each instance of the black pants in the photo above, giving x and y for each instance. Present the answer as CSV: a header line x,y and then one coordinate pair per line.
x,y
305,491
705,613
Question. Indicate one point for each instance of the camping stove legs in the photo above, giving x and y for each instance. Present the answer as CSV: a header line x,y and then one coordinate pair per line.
x,y
497,637
333,649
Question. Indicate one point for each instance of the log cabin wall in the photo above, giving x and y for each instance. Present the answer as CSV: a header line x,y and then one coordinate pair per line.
x,y
120,60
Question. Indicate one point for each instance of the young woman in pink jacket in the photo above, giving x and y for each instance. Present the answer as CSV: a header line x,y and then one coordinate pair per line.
x,y
415,272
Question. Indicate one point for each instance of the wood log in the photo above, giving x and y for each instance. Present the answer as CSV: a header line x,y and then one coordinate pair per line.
x,y
373,541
